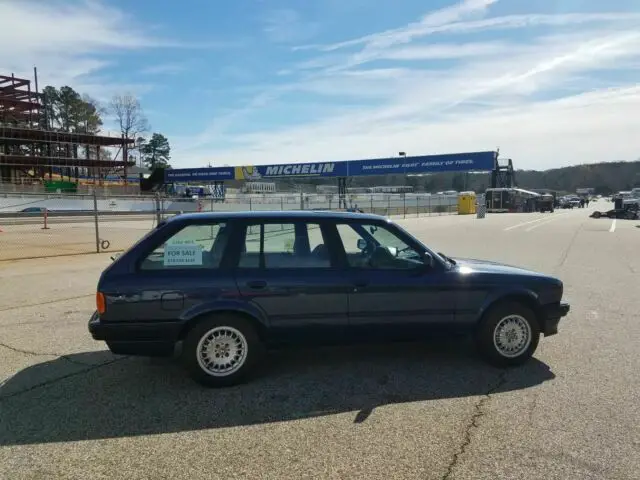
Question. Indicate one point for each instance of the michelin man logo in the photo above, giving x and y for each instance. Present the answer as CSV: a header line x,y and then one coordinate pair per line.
x,y
251,173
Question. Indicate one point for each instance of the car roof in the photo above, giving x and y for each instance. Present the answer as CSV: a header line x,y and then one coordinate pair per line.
x,y
265,214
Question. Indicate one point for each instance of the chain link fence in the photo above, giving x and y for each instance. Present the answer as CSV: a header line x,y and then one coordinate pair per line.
x,y
391,205
45,225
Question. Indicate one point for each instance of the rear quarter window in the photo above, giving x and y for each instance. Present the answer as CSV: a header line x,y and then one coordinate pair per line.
x,y
193,247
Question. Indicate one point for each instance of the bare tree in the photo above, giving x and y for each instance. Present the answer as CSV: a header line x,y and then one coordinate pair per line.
x,y
127,111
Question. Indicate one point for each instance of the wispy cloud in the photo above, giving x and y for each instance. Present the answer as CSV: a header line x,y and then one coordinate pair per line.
x,y
507,22
543,93
70,41
380,46
424,26
164,69
286,25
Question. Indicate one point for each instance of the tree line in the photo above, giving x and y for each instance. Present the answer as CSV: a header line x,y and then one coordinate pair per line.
x,y
66,110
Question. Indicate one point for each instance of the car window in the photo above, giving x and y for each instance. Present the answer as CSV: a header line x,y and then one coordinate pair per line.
x,y
195,246
376,247
284,245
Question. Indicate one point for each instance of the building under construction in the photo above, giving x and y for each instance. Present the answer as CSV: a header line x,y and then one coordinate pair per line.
x,y
33,152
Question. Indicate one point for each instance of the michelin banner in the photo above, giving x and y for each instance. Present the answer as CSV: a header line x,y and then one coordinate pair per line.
x,y
454,162
324,169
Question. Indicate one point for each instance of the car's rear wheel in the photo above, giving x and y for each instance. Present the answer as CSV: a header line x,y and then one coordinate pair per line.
x,y
508,335
221,350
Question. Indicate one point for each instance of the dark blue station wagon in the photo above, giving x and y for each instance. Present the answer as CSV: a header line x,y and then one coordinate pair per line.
x,y
225,286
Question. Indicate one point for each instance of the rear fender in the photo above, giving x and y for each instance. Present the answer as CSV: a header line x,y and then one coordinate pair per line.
x,y
224,306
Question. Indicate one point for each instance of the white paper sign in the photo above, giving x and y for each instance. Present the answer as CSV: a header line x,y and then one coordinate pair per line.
x,y
179,241
190,254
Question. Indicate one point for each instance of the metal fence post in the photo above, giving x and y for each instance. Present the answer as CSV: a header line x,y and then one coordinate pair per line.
x,y
371,199
481,207
417,206
158,213
95,220
404,205
281,203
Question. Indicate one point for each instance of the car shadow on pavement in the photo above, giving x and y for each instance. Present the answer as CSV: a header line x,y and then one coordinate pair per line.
x,y
96,395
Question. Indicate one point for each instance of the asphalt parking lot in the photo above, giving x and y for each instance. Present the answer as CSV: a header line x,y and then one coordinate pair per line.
x,y
70,409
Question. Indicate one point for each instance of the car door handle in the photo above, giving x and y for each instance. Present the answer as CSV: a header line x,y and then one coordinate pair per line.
x,y
360,283
172,296
257,285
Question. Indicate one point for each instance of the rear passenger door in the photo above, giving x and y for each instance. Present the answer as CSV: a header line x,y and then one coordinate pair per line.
x,y
182,271
285,268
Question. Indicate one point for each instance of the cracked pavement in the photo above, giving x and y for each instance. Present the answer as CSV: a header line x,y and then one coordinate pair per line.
x,y
70,409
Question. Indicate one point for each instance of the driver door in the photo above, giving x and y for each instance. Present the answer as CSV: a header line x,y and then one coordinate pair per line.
x,y
392,297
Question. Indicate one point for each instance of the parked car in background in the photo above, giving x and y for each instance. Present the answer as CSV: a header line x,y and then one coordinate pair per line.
x,y
227,286
33,210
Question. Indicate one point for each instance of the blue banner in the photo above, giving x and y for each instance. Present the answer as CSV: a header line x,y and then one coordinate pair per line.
x,y
452,162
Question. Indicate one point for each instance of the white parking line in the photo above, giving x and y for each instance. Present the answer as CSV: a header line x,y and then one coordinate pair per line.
x,y
613,226
534,221
541,223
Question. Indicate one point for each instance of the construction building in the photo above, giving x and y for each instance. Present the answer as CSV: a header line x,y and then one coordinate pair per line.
x,y
33,152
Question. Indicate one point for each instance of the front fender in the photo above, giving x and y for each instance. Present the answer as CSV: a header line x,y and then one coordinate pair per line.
x,y
514,293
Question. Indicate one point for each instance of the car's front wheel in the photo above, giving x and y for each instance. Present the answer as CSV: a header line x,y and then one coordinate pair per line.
x,y
221,350
508,335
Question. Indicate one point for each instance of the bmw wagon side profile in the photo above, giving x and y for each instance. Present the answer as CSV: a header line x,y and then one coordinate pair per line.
x,y
228,286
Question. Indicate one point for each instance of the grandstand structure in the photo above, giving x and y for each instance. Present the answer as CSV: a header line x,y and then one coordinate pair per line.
x,y
32,152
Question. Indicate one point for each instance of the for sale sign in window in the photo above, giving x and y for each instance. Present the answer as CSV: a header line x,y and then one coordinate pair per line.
x,y
182,255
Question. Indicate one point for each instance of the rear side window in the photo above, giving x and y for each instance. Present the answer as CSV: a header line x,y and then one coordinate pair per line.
x,y
284,245
193,247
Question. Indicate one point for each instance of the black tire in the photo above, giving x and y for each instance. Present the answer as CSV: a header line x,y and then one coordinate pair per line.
x,y
497,316
241,333
596,215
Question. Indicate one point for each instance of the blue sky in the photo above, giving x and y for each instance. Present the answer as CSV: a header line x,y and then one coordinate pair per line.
x,y
254,81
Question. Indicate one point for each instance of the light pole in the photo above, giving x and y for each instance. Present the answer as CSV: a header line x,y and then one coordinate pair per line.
x,y
404,155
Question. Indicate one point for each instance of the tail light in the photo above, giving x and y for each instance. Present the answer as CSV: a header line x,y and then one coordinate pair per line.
x,y
101,304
